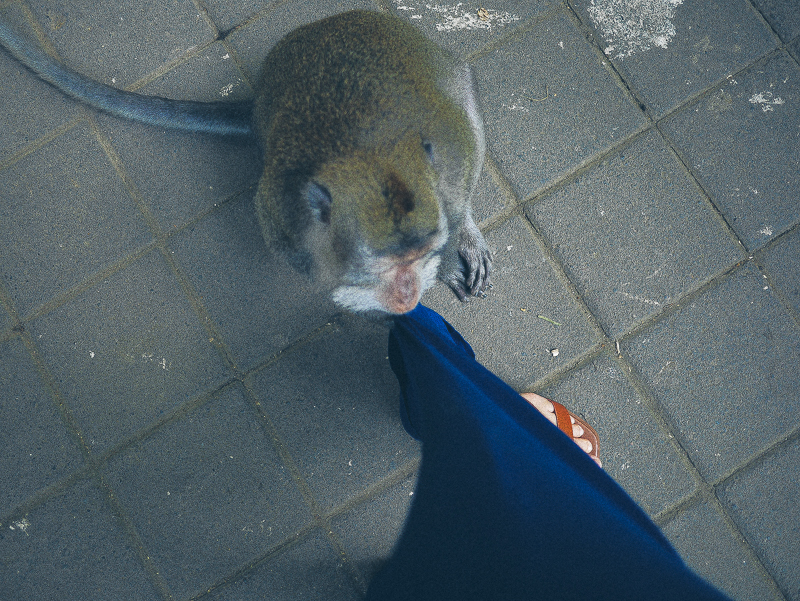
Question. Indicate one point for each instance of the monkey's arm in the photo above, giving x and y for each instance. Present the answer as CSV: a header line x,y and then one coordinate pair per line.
x,y
468,267
220,118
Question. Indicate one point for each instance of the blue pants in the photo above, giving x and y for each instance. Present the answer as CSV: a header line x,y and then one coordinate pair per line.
x,y
506,506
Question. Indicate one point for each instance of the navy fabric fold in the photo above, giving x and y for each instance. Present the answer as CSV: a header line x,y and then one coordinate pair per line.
x,y
506,506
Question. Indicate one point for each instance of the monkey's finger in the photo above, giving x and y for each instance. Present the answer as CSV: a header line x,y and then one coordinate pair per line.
x,y
480,277
459,290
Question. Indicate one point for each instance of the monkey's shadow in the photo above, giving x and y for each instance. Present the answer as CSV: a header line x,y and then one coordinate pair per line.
x,y
200,191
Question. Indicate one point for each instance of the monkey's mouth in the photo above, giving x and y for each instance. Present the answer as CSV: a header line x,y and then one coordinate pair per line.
x,y
397,283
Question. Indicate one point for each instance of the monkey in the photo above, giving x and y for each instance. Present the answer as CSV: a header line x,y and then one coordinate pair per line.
x,y
372,143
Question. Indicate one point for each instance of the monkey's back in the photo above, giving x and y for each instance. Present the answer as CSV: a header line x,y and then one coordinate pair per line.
x,y
354,79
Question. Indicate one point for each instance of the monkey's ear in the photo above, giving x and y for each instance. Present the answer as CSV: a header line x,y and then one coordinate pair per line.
x,y
427,146
319,201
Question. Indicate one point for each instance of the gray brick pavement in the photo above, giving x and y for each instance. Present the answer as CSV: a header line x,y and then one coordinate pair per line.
x,y
186,419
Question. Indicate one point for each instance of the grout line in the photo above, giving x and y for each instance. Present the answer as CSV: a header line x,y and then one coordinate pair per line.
x,y
760,456
307,531
42,141
317,514
777,290
562,274
287,544
298,342
707,494
589,36
129,531
764,21
514,34
707,197
88,283
89,469
376,488
704,490
729,519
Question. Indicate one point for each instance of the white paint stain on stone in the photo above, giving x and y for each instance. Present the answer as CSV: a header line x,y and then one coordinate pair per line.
x,y
160,361
767,100
514,104
22,525
455,17
631,26
641,299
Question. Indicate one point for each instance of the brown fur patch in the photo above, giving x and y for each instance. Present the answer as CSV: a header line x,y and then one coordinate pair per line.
x,y
400,198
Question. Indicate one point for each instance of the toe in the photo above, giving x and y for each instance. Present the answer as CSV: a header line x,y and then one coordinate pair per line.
x,y
584,444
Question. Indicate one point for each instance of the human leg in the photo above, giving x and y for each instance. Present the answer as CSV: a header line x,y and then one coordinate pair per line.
x,y
506,506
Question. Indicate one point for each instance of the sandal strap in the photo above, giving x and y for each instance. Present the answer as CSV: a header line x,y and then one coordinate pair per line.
x,y
563,420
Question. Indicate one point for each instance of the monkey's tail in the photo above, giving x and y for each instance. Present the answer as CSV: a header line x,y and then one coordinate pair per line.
x,y
220,118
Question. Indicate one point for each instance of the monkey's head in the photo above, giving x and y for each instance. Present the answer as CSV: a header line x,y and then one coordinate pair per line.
x,y
378,226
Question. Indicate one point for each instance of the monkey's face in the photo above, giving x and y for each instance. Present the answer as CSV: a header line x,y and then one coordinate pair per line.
x,y
380,228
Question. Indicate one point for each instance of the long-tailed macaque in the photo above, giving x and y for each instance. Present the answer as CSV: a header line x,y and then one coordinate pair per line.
x,y
372,143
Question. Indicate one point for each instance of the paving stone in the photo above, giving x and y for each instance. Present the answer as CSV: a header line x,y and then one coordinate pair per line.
x,y
782,15
634,234
258,302
781,261
35,448
710,548
253,41
71,548
673,50
549,104
66,216
335,403
505,329
310,570
634,450
463,27
127,351
763,502
207,494
729,141
29,108
369,531
724,367
120,43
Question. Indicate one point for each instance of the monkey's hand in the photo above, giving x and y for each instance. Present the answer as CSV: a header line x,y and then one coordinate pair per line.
x,y
472,275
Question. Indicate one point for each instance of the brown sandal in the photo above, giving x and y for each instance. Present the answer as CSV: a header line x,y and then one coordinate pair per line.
x,y
564,423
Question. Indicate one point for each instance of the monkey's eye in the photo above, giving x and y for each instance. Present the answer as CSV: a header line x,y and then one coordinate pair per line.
x,y
319,201
428,148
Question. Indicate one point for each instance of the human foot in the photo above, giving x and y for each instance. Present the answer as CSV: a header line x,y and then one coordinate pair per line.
x,y
581,431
